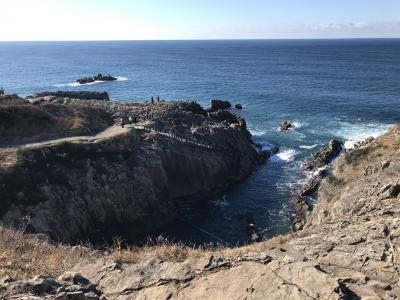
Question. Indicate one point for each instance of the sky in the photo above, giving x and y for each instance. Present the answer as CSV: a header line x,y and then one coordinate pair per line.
x,y
50,20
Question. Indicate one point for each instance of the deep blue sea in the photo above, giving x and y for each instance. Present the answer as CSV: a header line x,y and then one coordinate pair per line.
x,y
346,89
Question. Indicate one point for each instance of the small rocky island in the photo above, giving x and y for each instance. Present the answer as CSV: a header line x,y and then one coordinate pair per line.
x,y
98,77
285,126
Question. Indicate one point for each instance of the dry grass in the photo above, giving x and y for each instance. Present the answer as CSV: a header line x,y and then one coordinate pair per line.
x,y
24,256
160,248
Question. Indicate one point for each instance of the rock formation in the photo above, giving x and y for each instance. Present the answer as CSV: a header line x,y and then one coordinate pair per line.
x,y
219,104
285,126
238,106
325,155
98,77
81,95
118,181
315,171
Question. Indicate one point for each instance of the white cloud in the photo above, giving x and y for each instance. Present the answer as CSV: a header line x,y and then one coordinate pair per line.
x,y
341,26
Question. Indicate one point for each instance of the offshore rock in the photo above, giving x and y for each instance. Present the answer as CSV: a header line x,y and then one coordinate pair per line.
x,y
219,104
98,77
285,126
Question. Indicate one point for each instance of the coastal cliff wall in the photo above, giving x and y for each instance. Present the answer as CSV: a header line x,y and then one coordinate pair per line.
x,y
127,181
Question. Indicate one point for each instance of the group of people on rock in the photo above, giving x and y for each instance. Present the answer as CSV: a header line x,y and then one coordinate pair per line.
x,y
152,99
129,120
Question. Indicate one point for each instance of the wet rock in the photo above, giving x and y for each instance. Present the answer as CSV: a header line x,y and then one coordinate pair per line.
x,y
219,104
238,106
313,183
285,126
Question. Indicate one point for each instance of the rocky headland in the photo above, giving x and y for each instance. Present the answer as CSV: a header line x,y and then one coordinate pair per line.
x,y
72,172
347,247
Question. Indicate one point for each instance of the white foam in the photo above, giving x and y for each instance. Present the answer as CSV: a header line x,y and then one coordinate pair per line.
x,y
90,83
353,133
284,155
257,131
298,124
308,147
267,146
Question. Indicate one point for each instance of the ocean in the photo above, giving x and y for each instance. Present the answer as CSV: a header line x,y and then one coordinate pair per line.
x,y
344,89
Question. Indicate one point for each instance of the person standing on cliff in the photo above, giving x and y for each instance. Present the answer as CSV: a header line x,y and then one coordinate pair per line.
x,y
158,98
1,92
125,121
152,100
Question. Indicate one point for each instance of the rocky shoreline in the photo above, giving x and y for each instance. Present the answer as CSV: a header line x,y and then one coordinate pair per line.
x,y
345,247
348,249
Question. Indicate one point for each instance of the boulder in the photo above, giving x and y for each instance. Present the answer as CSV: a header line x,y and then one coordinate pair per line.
x,y
219,104
238,106
285,126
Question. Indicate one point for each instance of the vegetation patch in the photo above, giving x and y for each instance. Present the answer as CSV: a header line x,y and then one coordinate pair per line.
x,y
334,181
355,156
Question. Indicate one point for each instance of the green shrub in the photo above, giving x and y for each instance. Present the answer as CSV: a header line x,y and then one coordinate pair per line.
x,y
355,156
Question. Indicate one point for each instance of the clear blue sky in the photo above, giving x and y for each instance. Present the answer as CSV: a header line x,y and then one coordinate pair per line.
x,y
200,19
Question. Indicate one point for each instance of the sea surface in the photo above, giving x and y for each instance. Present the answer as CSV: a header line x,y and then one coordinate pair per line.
x,y
345,89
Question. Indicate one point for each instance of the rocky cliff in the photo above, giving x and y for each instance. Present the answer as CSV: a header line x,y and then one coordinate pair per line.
x,y
118,181
348,248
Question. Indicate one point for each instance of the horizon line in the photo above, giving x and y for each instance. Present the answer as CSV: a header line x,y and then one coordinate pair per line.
x,y
212,39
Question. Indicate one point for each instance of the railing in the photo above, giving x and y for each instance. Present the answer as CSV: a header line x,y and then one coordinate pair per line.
x,y
187,140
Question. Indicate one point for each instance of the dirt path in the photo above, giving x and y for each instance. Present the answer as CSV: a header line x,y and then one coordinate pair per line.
x,y
107,133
